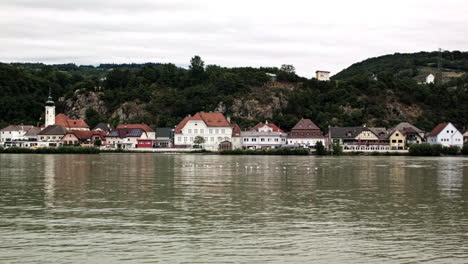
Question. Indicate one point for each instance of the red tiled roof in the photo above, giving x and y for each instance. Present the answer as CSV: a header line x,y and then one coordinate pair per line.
x,y
273,126
305,124
210,119
236,130
437,130
63,120
144,127
80,134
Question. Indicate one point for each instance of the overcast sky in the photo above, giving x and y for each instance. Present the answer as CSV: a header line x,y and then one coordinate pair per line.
x,y
311,35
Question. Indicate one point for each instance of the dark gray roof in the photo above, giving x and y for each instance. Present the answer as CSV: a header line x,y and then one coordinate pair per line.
x,y
53,130
103,127
164,132
345,132
353,132
32,132
404,126
17,128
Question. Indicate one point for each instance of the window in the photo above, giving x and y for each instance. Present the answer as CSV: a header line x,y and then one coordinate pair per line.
x,y
223,131
393,141
179,139
254,140
400,141
211,131
195,131
397,135
216,131
246,140
212,138
202,131
190,131
262,140
276,140
191,139
185,139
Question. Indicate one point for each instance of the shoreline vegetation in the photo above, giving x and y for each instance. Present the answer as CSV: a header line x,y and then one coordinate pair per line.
x,y
414,150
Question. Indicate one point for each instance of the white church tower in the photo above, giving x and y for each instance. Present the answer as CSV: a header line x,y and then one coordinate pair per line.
x,y
49,111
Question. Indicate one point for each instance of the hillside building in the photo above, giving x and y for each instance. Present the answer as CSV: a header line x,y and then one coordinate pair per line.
x,y
322,75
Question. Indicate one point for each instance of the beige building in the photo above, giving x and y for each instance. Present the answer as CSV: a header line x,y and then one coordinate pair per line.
x,y
322,75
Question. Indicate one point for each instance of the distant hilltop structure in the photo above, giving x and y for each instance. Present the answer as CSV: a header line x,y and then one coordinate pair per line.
x,y
430,78
322,75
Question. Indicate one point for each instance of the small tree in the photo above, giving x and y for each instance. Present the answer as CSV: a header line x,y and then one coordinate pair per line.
x,y
337,149
98,142
198,141
320,148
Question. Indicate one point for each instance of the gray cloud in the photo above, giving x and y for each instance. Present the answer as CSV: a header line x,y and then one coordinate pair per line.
x,y
309,34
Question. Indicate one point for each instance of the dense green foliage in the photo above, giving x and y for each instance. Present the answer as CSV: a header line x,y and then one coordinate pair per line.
x,y
280,151
320,149
452,150
58,150
464,150
425,150
168,93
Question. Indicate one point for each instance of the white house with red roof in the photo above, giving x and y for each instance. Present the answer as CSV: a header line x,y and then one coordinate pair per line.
x,y
263,136
445,134
213,127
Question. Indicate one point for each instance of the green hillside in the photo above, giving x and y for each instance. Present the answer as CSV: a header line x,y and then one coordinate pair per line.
x,y
380,91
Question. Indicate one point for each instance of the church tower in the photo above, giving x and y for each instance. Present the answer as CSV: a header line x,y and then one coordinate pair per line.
x,y
49,111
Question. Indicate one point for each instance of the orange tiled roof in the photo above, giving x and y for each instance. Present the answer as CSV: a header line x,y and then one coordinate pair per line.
x,y
273,126
210,119
144,127
437,130
63,120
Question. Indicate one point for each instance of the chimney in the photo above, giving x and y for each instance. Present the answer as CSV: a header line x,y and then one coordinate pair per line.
x,y
228,119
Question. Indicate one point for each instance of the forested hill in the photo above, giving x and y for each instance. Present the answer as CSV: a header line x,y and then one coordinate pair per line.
x,y
411,65
379,91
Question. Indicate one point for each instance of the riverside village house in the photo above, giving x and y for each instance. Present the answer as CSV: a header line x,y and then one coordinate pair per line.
x,y
214,128
366,139
445,134
263,136
306,134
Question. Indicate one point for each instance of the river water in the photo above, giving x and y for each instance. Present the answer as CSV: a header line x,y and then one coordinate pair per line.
x,y
147,208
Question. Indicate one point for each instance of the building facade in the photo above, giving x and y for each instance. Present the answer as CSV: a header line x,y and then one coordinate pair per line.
x,y
322,75
360,138
445,134
263,136
214,128
306,134
17,136
128,138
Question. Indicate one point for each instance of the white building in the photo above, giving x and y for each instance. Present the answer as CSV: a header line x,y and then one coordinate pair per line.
x,y
306,134
430,78
16,136
263,136
214,128
445,134
129,138
322,75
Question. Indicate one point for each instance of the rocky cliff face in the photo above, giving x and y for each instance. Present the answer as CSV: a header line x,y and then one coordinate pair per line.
x,y
76,106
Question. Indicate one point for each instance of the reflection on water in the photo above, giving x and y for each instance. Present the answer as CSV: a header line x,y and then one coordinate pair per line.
x,y
215,209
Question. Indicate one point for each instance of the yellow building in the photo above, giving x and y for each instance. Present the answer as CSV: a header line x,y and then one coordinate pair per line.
x,y
397,140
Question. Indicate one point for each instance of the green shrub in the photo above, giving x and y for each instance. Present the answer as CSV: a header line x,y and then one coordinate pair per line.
x,y
320,149
425,150
337,149
58,150
465,149
452,150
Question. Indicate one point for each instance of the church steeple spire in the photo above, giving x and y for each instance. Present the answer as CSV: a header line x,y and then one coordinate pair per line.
x,y
50,101
49,110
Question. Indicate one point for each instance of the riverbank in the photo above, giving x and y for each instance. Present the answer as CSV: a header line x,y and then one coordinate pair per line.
x,y
422,150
